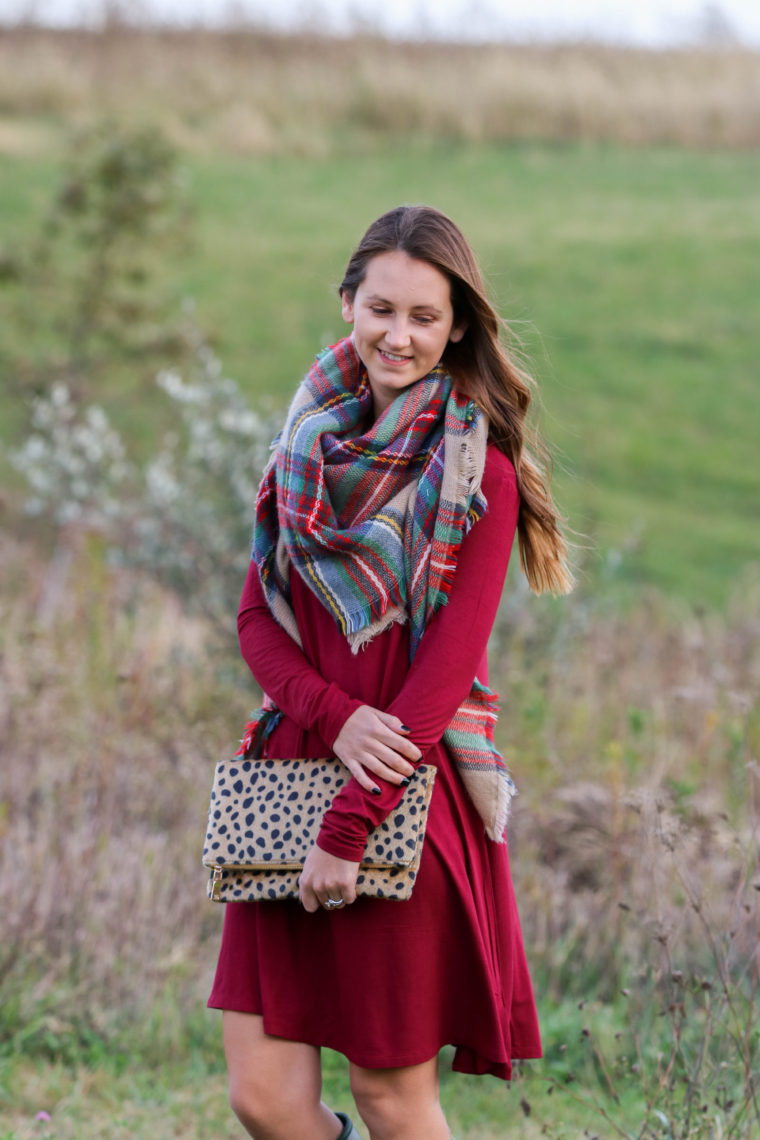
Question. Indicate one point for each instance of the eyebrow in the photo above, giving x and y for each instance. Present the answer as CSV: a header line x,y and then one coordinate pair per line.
x,y
375,297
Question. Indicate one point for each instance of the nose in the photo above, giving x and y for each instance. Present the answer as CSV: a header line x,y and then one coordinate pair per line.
x,y
397,333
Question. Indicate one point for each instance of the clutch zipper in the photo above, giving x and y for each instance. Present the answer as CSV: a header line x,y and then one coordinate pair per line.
x,y
215,885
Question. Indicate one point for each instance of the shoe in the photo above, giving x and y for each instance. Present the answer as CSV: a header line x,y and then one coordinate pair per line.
x,y
349,1132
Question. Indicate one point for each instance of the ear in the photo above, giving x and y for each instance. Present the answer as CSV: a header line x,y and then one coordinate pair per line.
x,y
347,308
458,332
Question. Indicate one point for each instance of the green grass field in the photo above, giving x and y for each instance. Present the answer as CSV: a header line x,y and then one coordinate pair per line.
x,y
119,1097
190,1101
630,276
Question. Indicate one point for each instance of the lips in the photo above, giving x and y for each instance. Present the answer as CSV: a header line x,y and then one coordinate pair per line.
x,y
393,358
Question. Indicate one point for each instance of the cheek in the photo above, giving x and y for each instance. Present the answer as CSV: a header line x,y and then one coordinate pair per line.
x,y
436,343
367,326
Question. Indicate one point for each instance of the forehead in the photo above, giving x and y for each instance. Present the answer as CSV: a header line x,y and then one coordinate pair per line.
x,y
395,276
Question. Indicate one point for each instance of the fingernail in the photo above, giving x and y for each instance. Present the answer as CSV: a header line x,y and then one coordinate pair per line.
x,y
375,791
405,728
405,782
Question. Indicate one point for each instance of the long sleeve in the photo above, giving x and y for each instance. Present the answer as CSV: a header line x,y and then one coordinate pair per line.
x,y
283,671
450,653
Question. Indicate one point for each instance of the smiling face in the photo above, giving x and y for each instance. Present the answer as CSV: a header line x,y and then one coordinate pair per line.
x,y
403,319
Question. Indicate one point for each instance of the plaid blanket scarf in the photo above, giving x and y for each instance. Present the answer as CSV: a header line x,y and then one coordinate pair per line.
x,y
371,516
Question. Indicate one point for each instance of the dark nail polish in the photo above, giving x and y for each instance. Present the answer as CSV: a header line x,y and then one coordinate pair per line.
x,y
405,728
405,782
376,791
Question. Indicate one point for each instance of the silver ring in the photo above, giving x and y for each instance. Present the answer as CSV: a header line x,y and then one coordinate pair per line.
x,y
330,903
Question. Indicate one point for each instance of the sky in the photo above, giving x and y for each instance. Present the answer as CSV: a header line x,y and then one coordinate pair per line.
x,y
647,22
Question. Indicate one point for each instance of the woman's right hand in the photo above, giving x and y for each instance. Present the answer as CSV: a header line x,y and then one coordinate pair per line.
x,y
374,741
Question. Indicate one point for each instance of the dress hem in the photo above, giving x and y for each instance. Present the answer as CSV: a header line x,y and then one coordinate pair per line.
x,y
466,1060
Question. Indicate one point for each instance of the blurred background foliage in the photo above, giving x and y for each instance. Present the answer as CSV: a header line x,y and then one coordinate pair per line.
x,y
175,210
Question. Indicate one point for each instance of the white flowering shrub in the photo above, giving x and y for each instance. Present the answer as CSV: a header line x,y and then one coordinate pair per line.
x,y
185,516
84,315
74,462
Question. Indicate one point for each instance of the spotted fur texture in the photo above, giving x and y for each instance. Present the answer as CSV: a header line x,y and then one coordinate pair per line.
x,y
265,815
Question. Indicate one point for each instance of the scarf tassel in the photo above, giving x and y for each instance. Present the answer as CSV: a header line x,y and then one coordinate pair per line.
x,y
260,727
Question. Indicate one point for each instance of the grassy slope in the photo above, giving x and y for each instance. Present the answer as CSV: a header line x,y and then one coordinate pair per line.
x,y
630,275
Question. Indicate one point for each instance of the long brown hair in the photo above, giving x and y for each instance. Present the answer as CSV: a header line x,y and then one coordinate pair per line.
x,y
483,370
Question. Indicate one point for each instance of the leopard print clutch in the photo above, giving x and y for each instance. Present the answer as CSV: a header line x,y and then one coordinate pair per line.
x,y
265,816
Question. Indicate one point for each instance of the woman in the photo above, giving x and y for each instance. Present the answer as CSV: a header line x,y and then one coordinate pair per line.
x,y
384,525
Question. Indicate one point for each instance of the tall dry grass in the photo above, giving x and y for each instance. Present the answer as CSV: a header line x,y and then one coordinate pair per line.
x,y
637,736
635,739
110,716
251,91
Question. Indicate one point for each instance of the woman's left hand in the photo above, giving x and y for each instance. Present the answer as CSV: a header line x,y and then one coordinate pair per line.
x,y
326,877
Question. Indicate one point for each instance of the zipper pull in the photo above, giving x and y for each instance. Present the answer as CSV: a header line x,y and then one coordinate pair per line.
x,y
215,885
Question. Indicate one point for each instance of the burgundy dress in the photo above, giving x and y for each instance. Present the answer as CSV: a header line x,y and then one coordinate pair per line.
x,y
388,983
